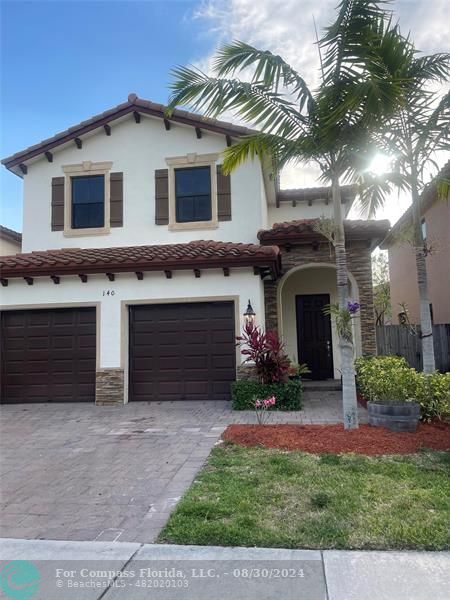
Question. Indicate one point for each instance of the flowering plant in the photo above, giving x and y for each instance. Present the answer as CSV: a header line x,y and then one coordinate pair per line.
x,y
343,318
353,307
262,407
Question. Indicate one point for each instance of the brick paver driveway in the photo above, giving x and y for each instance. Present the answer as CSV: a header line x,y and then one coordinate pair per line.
x,y
82,472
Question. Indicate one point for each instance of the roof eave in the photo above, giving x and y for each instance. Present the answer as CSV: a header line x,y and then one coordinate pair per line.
x,y
134,104
272,263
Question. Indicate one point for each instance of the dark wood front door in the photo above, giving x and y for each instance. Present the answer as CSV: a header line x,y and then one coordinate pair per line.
x,y
48,355
182,351
314,340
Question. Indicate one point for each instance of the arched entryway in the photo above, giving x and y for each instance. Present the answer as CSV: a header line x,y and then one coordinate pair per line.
x,y
310,335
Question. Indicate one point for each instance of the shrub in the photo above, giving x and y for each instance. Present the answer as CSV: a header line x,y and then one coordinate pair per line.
x,y
433,394
267,351
390,379
288,394
386,379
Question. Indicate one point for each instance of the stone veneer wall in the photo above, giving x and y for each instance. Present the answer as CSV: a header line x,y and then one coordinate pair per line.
x,y
246,371
358,263
109,387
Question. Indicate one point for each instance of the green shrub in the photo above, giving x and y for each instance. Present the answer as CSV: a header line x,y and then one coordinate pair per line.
x,y
389,379
386,379
288,395
433,394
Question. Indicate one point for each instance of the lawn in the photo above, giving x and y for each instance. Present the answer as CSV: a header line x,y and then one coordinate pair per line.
x,y
274,498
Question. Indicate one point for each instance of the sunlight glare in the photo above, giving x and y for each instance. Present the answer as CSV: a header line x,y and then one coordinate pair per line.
x,y
381,163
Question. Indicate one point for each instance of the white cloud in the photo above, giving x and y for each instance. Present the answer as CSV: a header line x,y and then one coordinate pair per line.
x,y
287,28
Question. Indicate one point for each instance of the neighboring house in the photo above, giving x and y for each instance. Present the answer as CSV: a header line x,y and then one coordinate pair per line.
x,y
402,264
10,241
118,297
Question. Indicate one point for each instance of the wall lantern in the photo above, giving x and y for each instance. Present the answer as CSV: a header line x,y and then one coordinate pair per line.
x,y
249,314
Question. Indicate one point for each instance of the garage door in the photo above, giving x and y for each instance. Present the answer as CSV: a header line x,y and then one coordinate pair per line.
x,y
182,351
48,355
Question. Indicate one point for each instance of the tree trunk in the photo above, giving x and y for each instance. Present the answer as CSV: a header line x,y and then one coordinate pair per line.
x,y
422,283
349,401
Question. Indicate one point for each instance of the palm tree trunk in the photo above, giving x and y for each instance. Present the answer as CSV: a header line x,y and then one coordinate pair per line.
x,y
349,402
426,326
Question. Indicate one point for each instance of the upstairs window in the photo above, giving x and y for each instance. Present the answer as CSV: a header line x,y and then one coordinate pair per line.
x,y
193,194
88,201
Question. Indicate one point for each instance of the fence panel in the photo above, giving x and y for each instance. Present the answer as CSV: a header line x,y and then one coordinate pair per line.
x,y
396,339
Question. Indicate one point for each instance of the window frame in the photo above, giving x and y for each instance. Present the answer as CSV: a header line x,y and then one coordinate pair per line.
x,y
100,201
181,197
184,162
86,169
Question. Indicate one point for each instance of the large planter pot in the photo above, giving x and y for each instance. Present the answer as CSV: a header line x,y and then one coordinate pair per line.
x,y
396,417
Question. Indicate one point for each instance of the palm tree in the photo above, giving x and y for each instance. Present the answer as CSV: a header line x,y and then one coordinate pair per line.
x,y
359,57
412,136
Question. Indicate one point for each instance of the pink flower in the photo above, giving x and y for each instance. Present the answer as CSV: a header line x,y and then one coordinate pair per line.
x,y
257,403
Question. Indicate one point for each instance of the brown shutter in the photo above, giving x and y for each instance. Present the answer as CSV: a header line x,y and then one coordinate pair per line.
x,y
223,195
116,200
162,197
57,203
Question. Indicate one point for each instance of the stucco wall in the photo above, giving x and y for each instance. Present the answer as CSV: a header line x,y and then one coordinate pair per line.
x,y
318,280
112,316
138,150
287,212
402,268
8,247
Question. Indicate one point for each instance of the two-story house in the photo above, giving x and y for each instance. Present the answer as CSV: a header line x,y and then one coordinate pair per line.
x,y
140,257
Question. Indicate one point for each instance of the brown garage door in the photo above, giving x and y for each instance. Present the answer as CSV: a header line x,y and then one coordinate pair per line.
x,y
182,351
48,355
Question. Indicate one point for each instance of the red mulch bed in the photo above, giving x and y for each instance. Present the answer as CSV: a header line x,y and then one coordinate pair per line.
x,y
321,439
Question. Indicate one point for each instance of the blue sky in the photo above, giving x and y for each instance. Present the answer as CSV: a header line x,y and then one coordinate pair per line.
x,y
63,61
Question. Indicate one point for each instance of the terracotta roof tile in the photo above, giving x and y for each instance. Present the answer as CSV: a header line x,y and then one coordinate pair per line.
x,y
197,254
303,230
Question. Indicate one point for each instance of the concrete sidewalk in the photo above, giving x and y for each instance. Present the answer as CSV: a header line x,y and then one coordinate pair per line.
x,y
55,570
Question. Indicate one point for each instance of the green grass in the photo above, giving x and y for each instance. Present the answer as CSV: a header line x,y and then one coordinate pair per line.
x,y
271,498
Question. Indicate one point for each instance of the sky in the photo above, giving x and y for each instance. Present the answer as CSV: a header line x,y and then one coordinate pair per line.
x,y
63,61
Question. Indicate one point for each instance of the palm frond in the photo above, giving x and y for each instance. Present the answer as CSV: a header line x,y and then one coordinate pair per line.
x,y
254,103
278,149
375,189
269,69
433,67
344,42
434,130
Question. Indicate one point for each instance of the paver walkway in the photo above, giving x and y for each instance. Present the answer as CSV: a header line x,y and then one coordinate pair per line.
x,y
129,571
82,472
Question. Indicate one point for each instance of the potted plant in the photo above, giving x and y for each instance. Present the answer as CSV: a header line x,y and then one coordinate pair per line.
x,y
389,386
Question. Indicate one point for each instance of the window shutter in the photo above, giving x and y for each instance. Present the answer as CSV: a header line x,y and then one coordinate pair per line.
x,y
223,195
162,197
57,203
116,200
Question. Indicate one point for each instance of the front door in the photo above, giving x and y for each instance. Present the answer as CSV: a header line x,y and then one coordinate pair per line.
x,y
314,341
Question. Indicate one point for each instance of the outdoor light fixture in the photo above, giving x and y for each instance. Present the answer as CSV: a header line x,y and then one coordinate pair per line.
x,y
249,314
